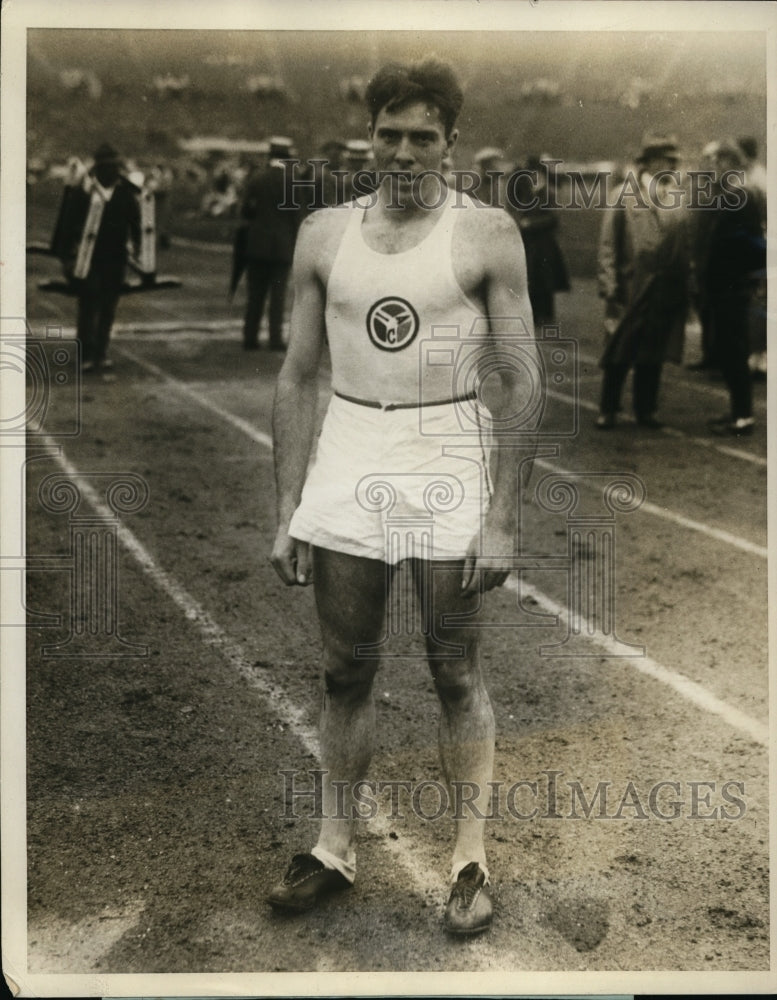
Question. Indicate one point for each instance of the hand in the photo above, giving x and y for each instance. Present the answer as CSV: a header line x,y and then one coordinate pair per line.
x,y
610,325
489,560
291,560
613,311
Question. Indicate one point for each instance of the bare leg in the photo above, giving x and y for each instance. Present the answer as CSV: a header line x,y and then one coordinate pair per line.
x,y
351,600
467,720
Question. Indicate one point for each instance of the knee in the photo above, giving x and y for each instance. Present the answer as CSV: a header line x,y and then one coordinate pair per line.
x,y
347,678
456,682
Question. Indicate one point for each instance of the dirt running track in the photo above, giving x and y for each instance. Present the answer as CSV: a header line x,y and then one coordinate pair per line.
x,y
156,815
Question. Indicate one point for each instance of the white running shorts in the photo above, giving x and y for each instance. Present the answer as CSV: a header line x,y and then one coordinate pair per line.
x,y
396,484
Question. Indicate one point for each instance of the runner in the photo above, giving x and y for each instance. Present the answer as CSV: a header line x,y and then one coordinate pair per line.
x,y
400,284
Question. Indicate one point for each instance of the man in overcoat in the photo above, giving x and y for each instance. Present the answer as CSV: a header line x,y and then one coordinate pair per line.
x,y
100,217
269,244
644,281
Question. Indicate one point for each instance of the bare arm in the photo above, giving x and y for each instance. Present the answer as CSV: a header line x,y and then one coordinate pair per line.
x,y
511,331
296,397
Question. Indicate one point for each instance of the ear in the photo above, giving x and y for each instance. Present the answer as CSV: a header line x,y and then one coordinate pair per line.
x,y
452,139
369,130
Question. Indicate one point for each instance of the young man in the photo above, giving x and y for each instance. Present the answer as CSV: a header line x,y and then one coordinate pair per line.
x,y
375,278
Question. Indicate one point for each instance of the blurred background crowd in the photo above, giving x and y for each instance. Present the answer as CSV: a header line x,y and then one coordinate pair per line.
x,y
203,119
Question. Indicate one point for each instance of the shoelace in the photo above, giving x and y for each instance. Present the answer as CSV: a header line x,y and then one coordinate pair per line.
x,y
302,865
468,883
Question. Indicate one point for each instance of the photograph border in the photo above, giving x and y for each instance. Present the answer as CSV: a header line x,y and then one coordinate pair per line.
x,y
417,15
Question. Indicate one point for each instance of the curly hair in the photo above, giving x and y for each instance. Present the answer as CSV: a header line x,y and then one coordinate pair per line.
x,y
432,81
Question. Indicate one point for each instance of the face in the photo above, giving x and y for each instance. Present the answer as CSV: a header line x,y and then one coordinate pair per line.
x,y
725,161
107,173
411,139
658,164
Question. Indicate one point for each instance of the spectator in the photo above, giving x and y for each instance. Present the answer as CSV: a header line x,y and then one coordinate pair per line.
x,y
699,231
222,198
755,182
327,174
735,253
99,217
357,158
643,278
269,244
160,182
490,165
545,265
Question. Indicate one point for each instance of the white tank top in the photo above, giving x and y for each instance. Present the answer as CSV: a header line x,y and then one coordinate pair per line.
x,y
382,311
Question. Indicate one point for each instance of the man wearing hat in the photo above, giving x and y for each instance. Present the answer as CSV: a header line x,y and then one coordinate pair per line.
x,y
357,157
326,171
99,218
491,167
699,241
268,208
643,278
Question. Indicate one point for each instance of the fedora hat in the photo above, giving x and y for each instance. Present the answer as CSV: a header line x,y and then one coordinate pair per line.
x,y
106,154
656,144
280,146
487,154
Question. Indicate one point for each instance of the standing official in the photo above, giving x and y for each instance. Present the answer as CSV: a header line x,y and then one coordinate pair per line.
x,y
644,267
538,222
100,217
735,257
269,244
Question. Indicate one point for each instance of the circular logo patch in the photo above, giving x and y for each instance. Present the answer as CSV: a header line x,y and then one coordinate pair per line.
x,y
392,323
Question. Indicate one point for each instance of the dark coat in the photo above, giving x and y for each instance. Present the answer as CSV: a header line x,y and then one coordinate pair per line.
x,y
272,229
120,224
734,250
644,271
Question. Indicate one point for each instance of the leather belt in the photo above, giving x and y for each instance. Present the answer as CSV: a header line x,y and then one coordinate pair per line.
x,y
375,405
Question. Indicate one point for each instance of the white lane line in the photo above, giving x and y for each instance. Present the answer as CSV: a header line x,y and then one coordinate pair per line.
x,y
185,335
718,392
679,519
237,422
689,689
63,947
220,329
422,879
745,456
212,634
682,685
717,533
183,241
202,328
173,326
264,439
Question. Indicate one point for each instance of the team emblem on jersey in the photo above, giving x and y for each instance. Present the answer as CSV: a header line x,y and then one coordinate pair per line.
x,y
392,323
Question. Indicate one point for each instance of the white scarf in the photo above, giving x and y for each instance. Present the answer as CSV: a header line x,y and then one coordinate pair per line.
x,y
100,196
